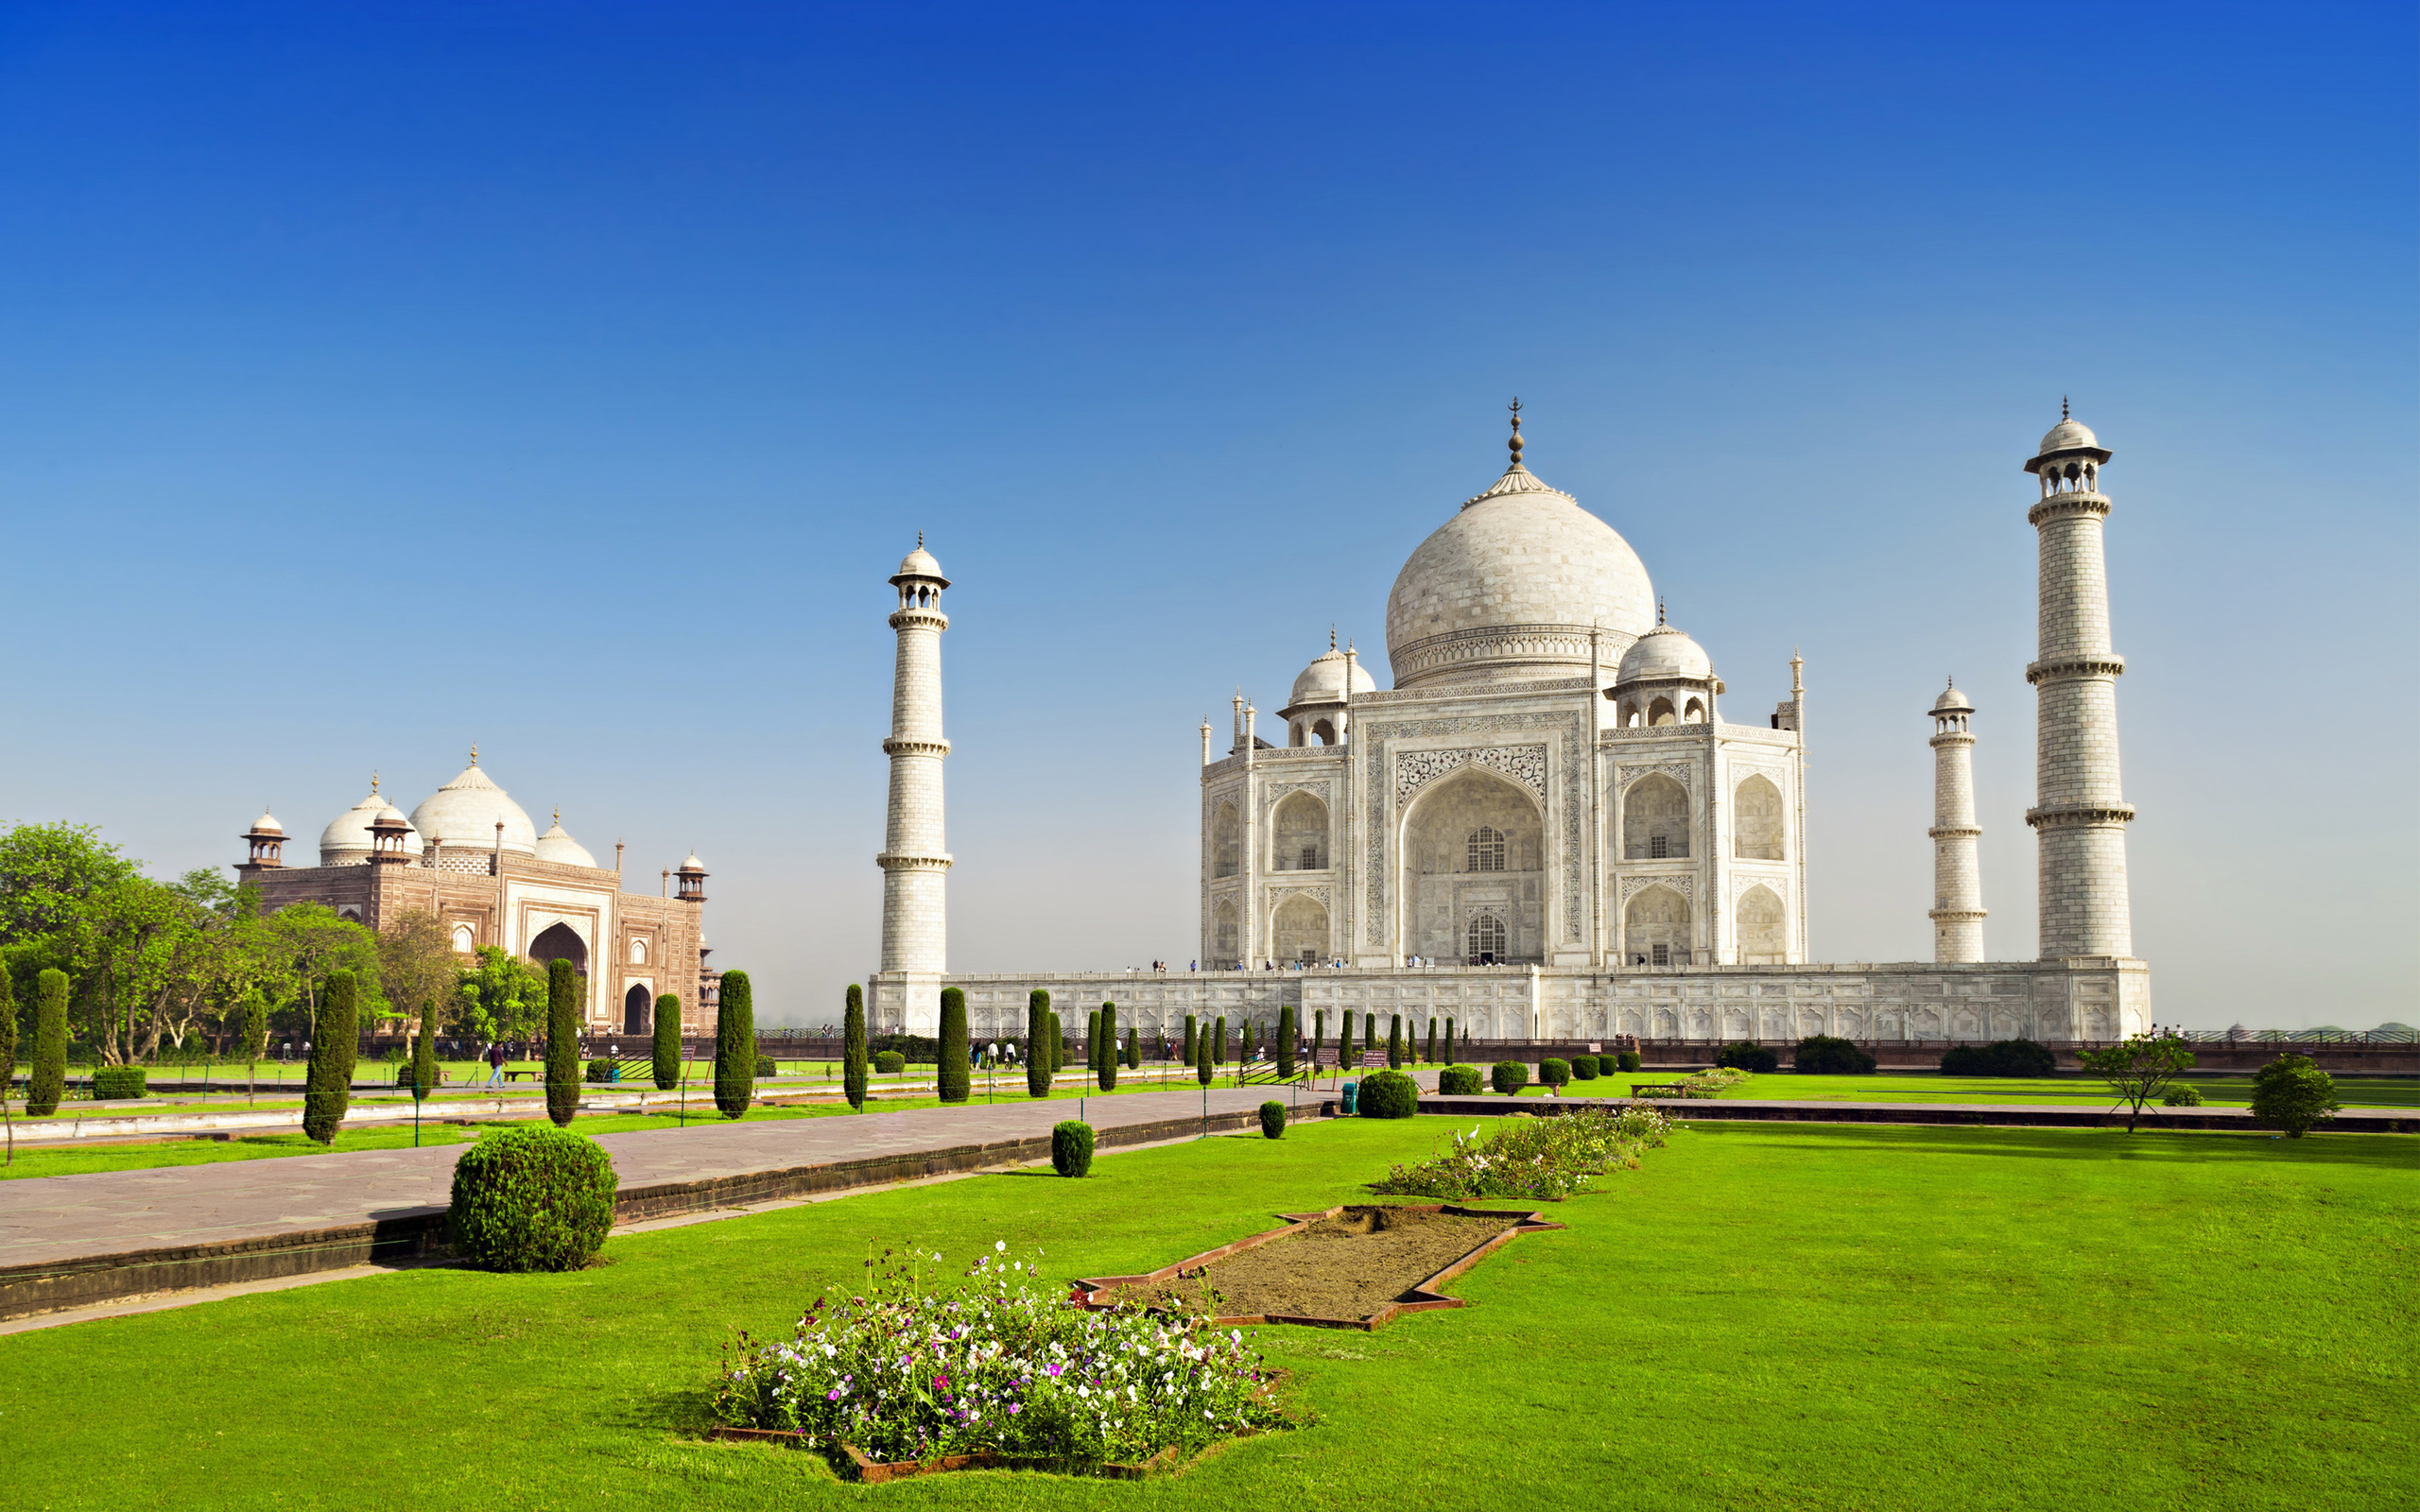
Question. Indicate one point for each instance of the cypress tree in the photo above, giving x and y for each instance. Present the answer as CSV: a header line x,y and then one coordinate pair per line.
x,y
1344,1040
47,1083
852,1047
1432,1041
1369,1033
1058,1045
1394,1041
1134,1047
1092,1043
734,1046
667,1042
1318,1033
424,1054
1201,1060
954,1076
1449,1041
1218,1053
1286,1045
255,1035
1037,1054
1188,1040
1107,1069
7,1057
563,1042
327,1085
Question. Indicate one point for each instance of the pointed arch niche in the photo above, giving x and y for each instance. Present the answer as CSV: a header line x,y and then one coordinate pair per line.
x,y
1298,835
1655,928
1764,932
1756,820
1474,843
1299,930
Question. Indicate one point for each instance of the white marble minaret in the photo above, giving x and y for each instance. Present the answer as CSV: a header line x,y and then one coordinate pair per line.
x,y
1956,870
914,859
2079,815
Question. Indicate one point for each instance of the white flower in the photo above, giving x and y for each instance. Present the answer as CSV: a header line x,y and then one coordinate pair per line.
x,y
1000,1246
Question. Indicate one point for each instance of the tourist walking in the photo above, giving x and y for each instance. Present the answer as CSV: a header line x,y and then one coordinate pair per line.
x,y
495,1065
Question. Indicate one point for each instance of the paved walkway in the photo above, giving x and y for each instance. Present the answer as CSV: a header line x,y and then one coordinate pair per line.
x,y
55,1219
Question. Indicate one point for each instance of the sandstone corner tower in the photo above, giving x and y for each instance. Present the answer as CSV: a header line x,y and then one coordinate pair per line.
x,y
2078,816
914,860
1957,872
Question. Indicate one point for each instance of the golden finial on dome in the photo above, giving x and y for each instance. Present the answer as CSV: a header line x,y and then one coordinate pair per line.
x,y
1659,609
1517,431
474,753
558,819
374,783
2062,406
1331,637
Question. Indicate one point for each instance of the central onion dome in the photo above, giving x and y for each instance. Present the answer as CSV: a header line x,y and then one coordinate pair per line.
x,y
464,813
1508,589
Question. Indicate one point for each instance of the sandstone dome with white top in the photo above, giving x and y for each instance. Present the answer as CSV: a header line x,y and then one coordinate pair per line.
x,y
1509,587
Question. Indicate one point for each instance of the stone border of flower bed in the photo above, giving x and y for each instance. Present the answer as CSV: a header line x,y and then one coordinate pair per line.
x,y
1423,1298
875,1472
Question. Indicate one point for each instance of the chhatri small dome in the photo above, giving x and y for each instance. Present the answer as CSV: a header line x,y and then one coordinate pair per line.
x,y
464,813
1952,702
1511,585
1665,653
1322,681
346,840
920,563
2068,436
266,824
556,845
693,865
389,815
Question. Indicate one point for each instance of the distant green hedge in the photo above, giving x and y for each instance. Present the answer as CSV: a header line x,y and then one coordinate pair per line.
x,y
118,1081
1458,1081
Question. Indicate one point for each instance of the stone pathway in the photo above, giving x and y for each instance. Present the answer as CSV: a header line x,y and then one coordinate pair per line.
x,y
56,1219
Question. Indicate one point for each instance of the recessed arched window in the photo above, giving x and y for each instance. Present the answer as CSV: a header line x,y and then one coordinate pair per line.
x,y
465,939
638,952
1226,841
1485,848
1756,820
1485,937
1655,819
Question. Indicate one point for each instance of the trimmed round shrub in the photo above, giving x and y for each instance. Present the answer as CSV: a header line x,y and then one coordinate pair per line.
x,y
2181,1097
118,1081
1272,1119
1824,1055
889,1063
533,1198
2001,1058
1071,1147
1554,1072
1585,1068
1748,1056
767,1066
1626,1061
1389,1094
600,1068
1509,1077
1458,1081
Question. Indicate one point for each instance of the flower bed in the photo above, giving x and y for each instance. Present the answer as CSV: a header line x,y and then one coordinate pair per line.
x,y
1545,1160
1006,1370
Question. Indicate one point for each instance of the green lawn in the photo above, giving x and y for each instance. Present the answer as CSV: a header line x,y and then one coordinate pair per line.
x,y
1764,1316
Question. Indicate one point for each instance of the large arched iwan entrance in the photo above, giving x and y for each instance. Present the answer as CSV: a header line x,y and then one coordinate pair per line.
x,y
1474,845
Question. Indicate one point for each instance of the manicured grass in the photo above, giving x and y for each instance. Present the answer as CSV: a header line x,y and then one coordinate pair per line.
x,y
1764,1316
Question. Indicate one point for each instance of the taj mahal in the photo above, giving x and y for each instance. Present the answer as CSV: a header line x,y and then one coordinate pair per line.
x,y
1550,827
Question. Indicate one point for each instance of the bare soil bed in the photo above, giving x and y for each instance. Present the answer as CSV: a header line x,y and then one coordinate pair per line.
x,y
1348,1267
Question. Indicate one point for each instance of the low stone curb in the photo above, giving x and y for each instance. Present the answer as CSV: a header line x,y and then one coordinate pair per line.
x,y
1992,1116
413,1232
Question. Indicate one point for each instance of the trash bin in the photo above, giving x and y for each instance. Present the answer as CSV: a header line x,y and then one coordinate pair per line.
x,y
1351,1095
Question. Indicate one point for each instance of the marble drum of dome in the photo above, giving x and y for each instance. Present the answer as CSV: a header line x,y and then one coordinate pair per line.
x,y
1509,587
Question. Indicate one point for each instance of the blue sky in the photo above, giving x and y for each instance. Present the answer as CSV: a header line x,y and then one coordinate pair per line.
x,y
378,379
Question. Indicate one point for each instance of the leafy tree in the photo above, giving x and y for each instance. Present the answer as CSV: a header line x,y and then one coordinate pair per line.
x,y
1037,1054
852,1047
2293,1094
952,1075
47,872
502,997
1105,1071
327,1088
1286,1034
667,1042
307,942
563,1042
2139,1068
736,1046
47,1082
417,963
